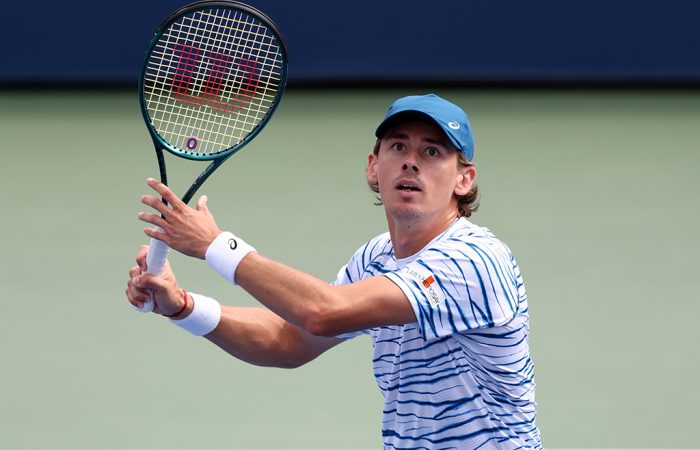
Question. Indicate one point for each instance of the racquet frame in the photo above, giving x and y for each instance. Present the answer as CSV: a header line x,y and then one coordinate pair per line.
x,y
219,158
158,250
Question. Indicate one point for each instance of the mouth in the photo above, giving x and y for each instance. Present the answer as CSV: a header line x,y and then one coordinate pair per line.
x,y
408,186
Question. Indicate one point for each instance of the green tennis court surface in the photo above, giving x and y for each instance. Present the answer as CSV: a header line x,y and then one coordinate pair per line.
x,y
596,192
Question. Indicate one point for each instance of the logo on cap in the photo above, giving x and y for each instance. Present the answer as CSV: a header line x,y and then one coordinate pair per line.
x,y
453,125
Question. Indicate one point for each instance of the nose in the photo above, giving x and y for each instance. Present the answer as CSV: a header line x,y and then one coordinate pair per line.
x,y
410,164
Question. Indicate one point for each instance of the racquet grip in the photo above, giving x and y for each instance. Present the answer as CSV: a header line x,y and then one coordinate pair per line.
x,y
157,255
155,263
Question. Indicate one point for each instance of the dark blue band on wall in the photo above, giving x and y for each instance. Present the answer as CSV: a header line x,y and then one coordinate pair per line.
x,y
387,40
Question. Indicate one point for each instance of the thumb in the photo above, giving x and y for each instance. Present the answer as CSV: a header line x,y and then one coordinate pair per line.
x,y
202,204
149,281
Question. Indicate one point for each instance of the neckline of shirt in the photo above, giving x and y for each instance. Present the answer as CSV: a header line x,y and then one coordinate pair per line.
x,y
401,262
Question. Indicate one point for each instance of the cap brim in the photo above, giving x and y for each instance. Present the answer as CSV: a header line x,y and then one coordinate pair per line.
x,y
403,116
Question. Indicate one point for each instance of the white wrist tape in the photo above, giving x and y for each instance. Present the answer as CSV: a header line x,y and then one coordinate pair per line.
x,y
204,317
225,253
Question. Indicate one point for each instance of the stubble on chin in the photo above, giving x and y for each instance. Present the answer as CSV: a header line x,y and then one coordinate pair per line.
x,y
403,213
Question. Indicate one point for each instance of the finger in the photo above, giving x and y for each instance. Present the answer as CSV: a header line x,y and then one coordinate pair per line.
x,y
136,299
166,193
153,219
156,204
139,295
149,281
132,300
155,234
141,257
140,282
134,272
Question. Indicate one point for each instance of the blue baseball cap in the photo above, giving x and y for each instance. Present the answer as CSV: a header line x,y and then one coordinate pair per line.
x,y
448,116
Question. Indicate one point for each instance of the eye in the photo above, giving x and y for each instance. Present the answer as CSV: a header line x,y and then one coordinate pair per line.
x,y
432,152
398,146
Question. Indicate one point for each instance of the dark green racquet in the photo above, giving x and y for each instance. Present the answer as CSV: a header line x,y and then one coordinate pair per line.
x,y
213,75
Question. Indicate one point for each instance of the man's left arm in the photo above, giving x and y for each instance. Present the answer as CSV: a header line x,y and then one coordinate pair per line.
x,y
318,307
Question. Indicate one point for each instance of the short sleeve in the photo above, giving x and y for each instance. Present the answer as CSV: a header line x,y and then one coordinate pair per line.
x,y
460,285
345,277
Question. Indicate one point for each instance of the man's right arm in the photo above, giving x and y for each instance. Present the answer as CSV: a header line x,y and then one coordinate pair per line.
x,y
259,336
255,335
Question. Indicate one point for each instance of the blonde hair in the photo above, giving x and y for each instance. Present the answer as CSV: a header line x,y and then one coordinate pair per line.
x,y
466,204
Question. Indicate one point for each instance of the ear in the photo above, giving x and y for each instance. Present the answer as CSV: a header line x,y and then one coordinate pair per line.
x,y
372,168
465,179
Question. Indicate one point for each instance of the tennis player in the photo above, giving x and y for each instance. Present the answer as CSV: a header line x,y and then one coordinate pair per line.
x,y
441,298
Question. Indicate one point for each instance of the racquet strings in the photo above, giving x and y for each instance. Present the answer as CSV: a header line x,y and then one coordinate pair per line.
x,y
211,78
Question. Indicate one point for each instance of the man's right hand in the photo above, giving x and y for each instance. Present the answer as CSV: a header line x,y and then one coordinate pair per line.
x,y
169,298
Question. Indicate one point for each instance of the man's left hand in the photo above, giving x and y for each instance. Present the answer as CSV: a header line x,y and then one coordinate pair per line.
x,y
187,230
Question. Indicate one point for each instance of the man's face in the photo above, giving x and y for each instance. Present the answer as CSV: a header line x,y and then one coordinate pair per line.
x,y
418,173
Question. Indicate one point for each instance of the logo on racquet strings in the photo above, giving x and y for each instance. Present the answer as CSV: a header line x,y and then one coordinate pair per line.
x,y
240,77
192,142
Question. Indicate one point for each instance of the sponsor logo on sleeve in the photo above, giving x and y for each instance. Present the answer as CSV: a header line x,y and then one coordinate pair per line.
x,y
427,284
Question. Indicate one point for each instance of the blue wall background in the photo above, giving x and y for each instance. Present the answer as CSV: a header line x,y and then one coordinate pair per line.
x,y
373,40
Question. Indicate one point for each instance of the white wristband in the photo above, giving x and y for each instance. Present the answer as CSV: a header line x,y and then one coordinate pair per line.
x,y
225,253
204,317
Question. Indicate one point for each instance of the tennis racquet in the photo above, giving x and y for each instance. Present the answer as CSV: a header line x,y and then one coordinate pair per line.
x,y
212,76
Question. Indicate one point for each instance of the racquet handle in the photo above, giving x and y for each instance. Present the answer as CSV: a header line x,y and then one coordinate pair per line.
x,y
155,263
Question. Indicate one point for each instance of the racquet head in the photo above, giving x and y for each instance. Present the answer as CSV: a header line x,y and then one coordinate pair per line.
x,y
212,76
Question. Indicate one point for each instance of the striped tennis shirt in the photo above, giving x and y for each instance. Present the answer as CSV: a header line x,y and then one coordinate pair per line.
x,y
461,376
